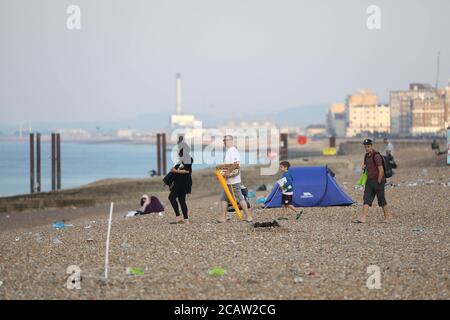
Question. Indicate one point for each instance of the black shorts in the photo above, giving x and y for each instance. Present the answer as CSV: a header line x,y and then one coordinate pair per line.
x,y
372,189
286,199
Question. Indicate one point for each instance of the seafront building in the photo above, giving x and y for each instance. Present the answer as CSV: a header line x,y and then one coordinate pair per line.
x,y
359,116
421,110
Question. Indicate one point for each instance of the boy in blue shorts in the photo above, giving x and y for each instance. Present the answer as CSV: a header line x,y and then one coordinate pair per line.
x,y
286,186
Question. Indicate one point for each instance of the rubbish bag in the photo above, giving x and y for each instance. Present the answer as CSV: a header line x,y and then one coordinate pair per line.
x,y
363,179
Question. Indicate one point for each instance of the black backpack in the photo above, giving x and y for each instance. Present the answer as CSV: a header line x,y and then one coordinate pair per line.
x,y
386,164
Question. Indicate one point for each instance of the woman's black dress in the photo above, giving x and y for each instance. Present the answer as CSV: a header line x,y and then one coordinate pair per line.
x,y
182,182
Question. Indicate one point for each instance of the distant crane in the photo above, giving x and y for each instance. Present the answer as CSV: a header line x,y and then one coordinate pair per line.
x,y
437,69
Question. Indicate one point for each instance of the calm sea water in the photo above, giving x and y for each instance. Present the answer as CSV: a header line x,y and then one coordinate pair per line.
x,y
81,164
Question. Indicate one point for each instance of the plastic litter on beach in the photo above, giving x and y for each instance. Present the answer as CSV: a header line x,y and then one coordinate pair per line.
x,y
298,215
1,284
130,214
392,185
217,272
125,244
39,237
61,225
282,218
56,241
134,271
298,280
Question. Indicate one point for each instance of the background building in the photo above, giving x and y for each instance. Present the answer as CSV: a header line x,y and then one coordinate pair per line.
x,y
365,116
337,120
427,116
190,126
402,104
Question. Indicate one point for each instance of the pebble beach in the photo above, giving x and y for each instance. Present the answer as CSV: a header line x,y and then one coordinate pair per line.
x,y
321,255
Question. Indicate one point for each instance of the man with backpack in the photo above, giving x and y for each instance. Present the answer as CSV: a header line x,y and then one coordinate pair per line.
x,y
375,166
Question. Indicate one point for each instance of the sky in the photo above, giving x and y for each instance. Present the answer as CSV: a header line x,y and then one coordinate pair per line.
x,y
235,56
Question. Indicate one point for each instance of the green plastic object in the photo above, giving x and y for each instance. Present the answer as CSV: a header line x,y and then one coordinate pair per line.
x,y
218,272
135,271
363,179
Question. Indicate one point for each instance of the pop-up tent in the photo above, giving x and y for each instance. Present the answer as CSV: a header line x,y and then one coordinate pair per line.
x,y
313,187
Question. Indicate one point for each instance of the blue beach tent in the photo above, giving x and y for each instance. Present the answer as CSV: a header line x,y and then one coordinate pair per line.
x,y
313,187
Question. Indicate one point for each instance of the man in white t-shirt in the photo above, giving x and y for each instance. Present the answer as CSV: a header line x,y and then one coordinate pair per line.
x,y
389,149
233,182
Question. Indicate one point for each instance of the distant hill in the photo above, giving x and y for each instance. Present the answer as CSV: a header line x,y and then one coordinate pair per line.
x,y
301,116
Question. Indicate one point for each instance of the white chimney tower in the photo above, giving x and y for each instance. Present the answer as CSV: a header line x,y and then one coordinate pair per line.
x,y
178,102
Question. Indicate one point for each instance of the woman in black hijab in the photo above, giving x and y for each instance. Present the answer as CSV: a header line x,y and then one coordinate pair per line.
x,y
182,184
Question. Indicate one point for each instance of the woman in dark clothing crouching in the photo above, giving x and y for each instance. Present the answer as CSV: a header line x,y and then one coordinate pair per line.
x,y
182,184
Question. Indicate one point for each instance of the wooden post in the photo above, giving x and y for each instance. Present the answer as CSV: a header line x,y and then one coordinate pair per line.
x,y
31,162
53,156
163,151
58,161
158,152
38,162
283,146
333,142
257,145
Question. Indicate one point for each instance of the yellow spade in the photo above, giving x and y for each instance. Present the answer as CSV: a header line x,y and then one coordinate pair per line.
x,y
223,183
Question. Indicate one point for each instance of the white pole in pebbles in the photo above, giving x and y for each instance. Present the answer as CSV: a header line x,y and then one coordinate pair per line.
x,y
107,240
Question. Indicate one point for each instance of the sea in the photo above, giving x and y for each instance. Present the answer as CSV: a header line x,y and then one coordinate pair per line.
x,y
81,164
